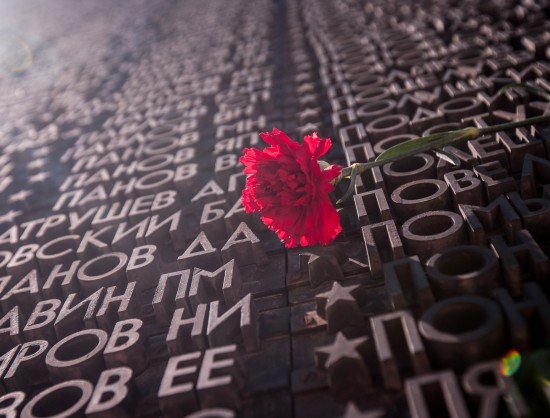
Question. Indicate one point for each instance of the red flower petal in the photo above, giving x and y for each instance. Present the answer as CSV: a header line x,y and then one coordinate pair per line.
x,y
278,138
332,172
317,146
286,185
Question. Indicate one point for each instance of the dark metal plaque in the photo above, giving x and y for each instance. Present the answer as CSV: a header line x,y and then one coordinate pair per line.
x,y
132,281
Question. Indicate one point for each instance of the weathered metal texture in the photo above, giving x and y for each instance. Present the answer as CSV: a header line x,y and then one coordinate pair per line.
x,y
133,282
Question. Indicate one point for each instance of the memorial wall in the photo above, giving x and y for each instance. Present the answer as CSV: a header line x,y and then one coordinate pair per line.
x,y
133,282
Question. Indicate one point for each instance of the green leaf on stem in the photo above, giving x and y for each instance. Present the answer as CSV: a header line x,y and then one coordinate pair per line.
x,y
426,143
448,156
323,165
353,177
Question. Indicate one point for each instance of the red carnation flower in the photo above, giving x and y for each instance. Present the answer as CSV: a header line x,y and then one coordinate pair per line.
x,y
287,186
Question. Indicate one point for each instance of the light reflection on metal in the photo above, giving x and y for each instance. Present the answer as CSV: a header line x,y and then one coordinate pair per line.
x,y
510,363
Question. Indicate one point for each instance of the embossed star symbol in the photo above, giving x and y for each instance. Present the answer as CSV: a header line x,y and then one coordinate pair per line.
x,y
337,293
341,348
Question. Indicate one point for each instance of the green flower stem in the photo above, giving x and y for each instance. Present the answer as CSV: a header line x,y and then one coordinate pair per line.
x,y
511,125
430,142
